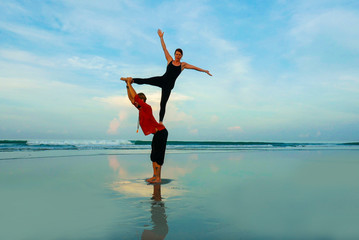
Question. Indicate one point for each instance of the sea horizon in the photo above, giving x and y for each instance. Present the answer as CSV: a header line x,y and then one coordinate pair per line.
x,y
11,145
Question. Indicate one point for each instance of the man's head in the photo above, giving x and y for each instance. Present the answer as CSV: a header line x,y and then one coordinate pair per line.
x,y
142,96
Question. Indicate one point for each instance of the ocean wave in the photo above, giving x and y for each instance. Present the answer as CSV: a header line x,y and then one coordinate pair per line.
x,y
227,143
118,144
42,145
351,144
79,142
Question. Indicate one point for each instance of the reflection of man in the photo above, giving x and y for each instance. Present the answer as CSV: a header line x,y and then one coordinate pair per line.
x,y
158,216
149,125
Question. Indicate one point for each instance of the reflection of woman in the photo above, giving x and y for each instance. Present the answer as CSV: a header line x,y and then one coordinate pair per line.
x,y
158,216
167,81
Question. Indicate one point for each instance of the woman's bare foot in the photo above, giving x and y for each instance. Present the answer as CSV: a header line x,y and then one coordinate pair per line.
x,y
127,79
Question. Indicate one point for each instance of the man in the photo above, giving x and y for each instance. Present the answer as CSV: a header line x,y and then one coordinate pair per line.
x,y
149,125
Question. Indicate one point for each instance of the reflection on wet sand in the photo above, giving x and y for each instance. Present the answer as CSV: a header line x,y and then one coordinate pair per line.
x,y
135,186
158,216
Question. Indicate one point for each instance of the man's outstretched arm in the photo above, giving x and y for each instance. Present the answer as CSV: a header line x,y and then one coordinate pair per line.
x,y
131,93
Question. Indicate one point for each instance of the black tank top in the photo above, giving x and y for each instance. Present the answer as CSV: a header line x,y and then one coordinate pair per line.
x,y
171,74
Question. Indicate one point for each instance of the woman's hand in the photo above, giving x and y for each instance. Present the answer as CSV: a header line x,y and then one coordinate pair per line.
x,y
208,73
160,33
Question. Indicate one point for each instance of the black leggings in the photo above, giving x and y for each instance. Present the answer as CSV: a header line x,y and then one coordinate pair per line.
x,y
158,145
166,87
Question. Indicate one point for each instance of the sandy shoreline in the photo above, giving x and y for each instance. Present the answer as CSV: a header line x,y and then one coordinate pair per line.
x,y
207,195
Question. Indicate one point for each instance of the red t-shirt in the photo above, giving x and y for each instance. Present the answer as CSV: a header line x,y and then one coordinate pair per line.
x,y
147,122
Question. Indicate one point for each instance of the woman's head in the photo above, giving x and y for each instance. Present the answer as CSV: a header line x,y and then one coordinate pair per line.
x,y
178,54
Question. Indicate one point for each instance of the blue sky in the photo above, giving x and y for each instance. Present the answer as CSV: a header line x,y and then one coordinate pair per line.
x,y
282,70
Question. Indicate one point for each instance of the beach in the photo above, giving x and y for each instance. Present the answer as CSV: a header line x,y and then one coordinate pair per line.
x,y
244,194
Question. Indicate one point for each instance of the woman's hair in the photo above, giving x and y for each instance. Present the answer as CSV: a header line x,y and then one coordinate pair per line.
x,y
142,96
179,50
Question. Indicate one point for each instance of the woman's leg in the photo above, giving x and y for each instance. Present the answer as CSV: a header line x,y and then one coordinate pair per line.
x,y
154,81
164,98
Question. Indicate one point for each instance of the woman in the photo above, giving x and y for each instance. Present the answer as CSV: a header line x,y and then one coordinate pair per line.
x,y
167,81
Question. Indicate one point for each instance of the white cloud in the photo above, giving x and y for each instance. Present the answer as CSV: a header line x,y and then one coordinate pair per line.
x,y
235,128
153,99
239,66
40,88
221,45
116,123
117,101
214,168
175,115
95,62
27,57
178,97
214,119
193,131
333,24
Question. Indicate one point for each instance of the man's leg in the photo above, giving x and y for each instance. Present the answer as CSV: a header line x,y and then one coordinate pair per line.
x,y
153,156
157,178
154,173
159,143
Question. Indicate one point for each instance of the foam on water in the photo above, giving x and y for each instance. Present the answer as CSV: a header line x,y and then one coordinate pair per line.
x,y
120,144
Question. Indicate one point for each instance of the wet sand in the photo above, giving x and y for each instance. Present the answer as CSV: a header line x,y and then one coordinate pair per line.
x,y
254,194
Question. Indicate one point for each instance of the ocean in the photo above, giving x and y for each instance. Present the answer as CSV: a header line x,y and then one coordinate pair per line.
x,y
96,189
42,145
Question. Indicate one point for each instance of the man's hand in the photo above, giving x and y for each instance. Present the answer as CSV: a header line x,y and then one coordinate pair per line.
x,y
129,80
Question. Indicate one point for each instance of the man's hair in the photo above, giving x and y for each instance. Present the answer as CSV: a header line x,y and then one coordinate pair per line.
x,y
142,96
179,50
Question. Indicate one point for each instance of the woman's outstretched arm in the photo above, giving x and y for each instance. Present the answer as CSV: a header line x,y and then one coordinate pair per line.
x,y
167,55
189,66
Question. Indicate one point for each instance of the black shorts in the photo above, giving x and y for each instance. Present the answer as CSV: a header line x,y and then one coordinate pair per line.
x,y
159,143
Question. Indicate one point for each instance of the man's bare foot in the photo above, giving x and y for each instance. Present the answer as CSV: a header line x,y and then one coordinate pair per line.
x,y
123,78
156,180
151,179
